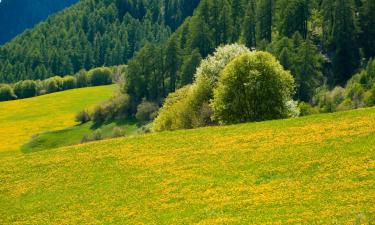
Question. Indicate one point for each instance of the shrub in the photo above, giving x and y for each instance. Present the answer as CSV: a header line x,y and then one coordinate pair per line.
x,y
189,107
83,117
252,87
146,111
115,107
25,89
6,93
50,85
69,82
100,76
85,138
307,109
118,132
82,78
97,135
292,109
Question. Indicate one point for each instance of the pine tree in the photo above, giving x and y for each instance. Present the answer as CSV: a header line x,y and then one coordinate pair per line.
x,y
346,58
367,21
172,62
249,25
264,20
294,18
237,12
225,23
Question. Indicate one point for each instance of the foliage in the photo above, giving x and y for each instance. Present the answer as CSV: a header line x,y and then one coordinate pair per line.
x,y
83,117
117,106
306,109
357,93
6,93
90,34
252,87
25,89
146,111
100,76
189,107
69,82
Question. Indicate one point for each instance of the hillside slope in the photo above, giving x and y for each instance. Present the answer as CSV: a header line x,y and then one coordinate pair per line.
x,y
18,15
21,119
89,34
312,170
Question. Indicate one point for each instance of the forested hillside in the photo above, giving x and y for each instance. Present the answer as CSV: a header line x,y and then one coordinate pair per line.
x,y
18,15
92,33
320,42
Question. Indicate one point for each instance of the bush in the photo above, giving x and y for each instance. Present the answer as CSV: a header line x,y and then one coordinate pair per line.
x,y
97,135
82,79
50,85
189,107
118,132
252,87
83,117
6,93
69,82
116,107
307,109
25,89
100,76
146,111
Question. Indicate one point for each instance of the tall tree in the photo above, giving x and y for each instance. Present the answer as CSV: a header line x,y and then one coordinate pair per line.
x,y
264,20
367,21
344,40
249,25
294,18
172,62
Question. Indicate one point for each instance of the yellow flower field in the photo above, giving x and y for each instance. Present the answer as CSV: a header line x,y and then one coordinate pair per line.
x,y
21,119
312,170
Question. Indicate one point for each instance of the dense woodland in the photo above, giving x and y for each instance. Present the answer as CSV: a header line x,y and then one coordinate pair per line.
x,y
323,43
90,34
17,15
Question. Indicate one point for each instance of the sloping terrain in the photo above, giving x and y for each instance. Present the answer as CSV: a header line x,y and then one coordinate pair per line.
x,y
18,15
312,170
21,119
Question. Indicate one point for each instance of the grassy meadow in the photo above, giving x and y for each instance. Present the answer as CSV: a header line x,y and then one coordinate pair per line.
x,y
21,119
313,170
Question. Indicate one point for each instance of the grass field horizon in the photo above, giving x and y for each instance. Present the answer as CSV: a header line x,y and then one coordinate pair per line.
x,y
21,119
311,170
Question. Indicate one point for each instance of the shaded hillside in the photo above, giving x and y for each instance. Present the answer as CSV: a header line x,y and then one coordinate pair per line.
x,y
89,34
18,15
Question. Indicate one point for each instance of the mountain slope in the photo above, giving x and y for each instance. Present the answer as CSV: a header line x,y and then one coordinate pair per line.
x,y
21,119
311,170
18,15
89,34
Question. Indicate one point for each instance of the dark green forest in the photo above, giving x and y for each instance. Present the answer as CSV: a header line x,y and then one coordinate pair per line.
x,y
90,34
17,15
320,42
323,43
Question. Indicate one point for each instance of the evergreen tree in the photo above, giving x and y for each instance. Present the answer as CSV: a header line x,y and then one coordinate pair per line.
x,y
294,18
226,30
264,20
346,58
249,25
367,21
172,63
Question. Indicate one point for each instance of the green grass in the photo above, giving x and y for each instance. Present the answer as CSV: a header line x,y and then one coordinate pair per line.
x,y
312,170
21,119
73,135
